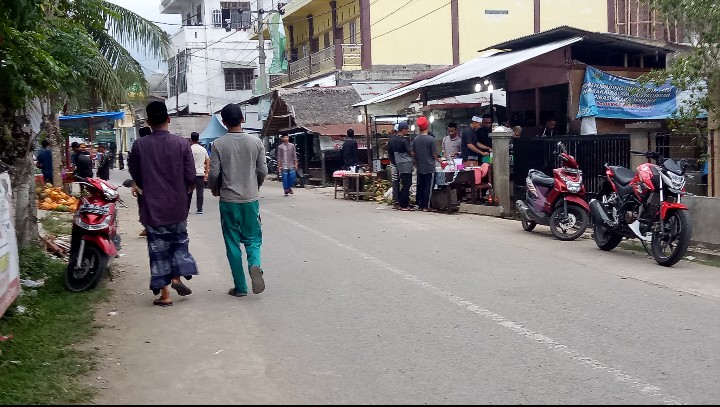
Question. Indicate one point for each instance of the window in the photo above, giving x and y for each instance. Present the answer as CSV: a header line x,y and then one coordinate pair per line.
x,y
231,10
353,32
177,67
217,19
239,79
326,39
199,16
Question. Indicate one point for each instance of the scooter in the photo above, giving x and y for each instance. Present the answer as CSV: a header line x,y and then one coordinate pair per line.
x,y
94,239
557,201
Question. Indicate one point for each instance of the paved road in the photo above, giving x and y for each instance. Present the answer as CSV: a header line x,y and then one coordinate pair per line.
x,y
366,305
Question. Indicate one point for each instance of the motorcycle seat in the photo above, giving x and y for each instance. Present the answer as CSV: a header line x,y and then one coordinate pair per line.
x,y
539,178
623,175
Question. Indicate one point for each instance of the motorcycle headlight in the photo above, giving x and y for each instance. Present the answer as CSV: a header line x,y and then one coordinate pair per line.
x,y
574,187
678,181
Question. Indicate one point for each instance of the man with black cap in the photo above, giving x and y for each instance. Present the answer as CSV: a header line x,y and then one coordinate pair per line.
x,y
404,163
237,171
162,166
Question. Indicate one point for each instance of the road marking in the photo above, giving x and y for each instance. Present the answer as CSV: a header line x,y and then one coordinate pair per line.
x,y
634,383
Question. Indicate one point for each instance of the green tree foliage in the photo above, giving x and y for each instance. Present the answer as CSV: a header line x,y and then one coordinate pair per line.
x,y
697,69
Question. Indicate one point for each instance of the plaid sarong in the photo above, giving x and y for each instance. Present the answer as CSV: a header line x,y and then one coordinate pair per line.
x,y
168,249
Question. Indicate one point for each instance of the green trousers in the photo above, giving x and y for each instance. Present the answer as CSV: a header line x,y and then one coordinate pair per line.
x,y
241,225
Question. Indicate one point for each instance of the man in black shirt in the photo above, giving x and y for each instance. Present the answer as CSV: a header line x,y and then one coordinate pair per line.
x,y
483,133
350,152
471,149
82,161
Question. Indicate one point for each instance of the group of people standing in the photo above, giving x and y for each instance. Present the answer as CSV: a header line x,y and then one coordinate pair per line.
x,y
82,162
403,153
165,170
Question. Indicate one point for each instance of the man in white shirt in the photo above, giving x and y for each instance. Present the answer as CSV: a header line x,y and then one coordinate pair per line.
x,y
202,169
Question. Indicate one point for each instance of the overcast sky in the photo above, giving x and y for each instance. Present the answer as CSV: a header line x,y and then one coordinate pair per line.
x,y
150,9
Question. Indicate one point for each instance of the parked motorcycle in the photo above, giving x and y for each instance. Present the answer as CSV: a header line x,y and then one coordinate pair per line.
x,y
644,204
94,239
557,201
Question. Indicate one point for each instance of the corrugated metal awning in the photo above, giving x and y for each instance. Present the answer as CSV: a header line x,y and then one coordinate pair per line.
x,y
477,68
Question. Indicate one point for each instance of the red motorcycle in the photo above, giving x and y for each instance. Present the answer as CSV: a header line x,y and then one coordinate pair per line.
x,y
644,205
94,240
557,201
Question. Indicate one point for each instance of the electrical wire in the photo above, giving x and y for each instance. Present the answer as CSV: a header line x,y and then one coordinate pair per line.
x,y
415,20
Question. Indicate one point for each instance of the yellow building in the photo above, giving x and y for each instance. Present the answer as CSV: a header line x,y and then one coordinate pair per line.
x,y
345,35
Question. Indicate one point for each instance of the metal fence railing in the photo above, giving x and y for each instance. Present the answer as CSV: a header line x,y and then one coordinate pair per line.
x,y
591,153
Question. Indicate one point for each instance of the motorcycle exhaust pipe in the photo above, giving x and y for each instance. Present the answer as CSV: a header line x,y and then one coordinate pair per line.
x,y
598,213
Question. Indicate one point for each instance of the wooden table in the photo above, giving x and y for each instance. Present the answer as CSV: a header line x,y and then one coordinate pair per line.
x,y
346,179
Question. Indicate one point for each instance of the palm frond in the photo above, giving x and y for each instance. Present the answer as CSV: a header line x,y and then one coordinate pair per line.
x,y
133,30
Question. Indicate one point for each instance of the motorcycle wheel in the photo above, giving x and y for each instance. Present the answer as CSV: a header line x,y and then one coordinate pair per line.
x,y
527,225
605,239
571,225
670,245
92,267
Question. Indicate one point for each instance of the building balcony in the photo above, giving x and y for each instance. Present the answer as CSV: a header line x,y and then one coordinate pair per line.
x,y
340,57
174,6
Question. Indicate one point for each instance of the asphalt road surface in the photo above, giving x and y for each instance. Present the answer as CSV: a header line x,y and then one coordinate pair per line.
x,y
366,305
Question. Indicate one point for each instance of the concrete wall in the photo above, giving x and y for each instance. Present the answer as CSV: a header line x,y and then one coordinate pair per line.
x,y
705,221
427,41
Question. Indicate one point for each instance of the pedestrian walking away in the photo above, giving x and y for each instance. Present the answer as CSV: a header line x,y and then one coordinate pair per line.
x,y
426,157
162,167
202,169
394,177
349,152
237,171
287,163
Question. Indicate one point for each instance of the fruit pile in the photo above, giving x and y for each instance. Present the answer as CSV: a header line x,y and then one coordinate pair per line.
x,y
54,199
378,188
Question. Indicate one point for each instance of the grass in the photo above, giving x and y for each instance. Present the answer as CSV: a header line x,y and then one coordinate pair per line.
x,y
40,364
57,223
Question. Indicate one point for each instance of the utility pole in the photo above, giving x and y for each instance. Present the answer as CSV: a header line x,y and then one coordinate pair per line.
x,y
263,87
177,87
262,76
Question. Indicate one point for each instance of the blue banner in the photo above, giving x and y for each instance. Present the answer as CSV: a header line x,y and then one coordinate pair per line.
x,y
613,97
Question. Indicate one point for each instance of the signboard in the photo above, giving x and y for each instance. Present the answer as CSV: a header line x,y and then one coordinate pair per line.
x,y
9,268
613,97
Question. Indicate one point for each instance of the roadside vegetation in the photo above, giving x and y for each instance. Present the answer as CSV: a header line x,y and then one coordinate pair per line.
x,y
39,364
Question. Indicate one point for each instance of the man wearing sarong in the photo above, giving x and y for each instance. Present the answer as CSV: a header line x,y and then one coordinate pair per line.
x,y
162,167
237,170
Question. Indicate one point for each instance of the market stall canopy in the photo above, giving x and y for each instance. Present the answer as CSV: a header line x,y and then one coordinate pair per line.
x,y
214,129
460,80
81,121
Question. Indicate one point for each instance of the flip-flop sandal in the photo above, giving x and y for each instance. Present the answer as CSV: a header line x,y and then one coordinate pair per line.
x,y
181,288
236,293
162,303
256,275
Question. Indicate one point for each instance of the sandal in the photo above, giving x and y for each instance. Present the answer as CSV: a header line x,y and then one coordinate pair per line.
x,y
235,293
180,287
162,303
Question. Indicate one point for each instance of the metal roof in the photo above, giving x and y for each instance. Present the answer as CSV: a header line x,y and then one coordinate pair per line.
x,y
474,69
626,43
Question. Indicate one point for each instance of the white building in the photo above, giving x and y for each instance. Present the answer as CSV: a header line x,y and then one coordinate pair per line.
x,y
216,63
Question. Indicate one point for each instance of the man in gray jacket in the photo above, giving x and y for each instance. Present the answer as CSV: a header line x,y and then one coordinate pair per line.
x,y
237,170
